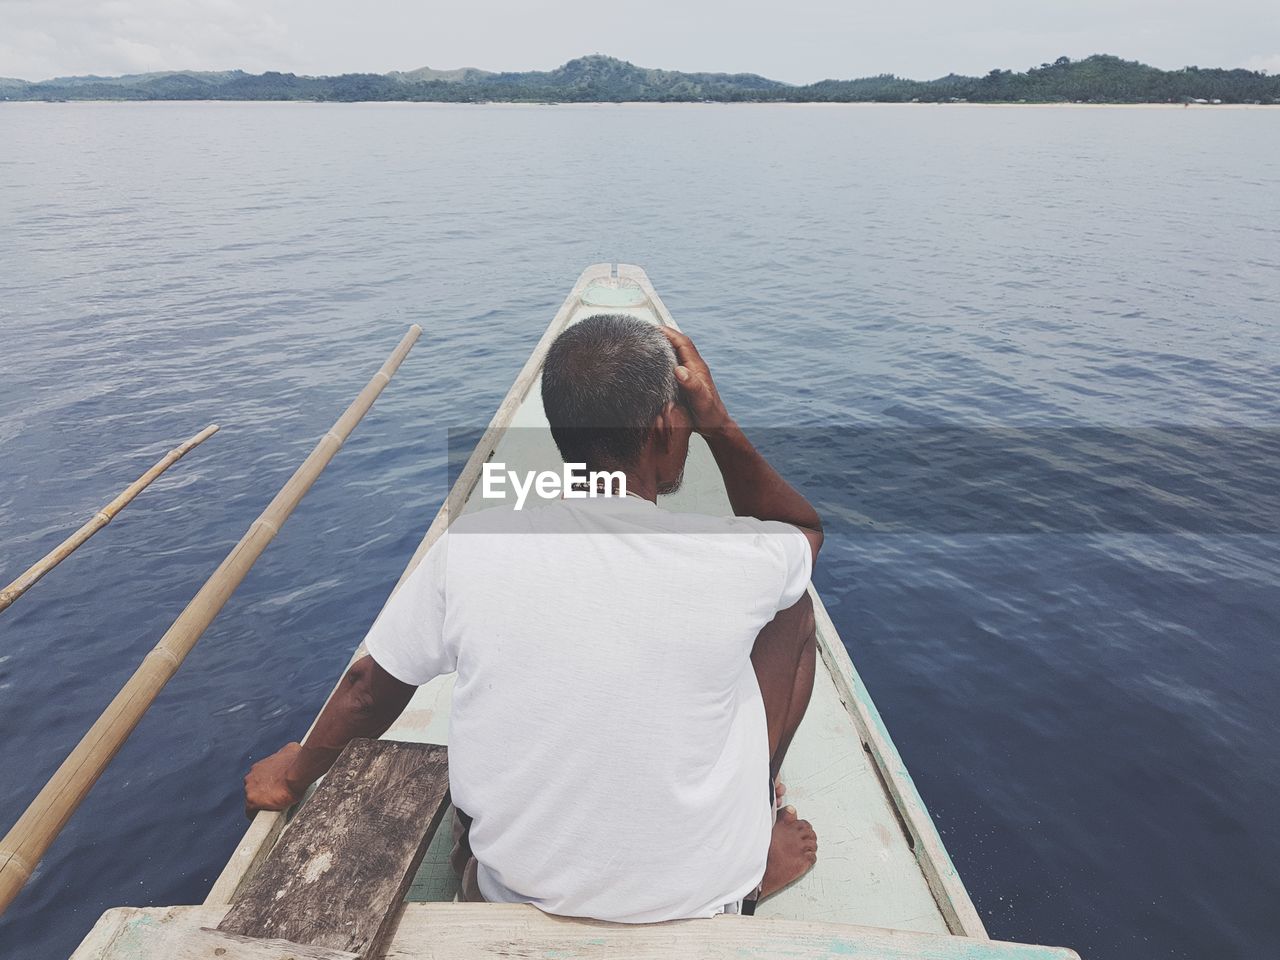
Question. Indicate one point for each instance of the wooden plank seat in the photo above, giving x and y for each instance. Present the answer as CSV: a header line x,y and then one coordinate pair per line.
x,y
148,933
341,868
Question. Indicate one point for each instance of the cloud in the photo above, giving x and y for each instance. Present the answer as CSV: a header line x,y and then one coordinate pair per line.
x,y
39,40
1269,63
800,41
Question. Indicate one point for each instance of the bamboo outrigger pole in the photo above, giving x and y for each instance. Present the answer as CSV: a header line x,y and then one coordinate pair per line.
x,y
26,843
100,519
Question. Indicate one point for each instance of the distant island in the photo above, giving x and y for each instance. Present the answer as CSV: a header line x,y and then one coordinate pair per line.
x,y
596,79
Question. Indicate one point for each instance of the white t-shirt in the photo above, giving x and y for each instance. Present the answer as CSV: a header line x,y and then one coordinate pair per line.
x,y
607,733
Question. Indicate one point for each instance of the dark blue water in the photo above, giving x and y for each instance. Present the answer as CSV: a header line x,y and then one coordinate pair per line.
x,y
1089,710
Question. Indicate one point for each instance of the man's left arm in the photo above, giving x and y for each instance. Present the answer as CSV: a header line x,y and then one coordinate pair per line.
x,y
367,701
406,648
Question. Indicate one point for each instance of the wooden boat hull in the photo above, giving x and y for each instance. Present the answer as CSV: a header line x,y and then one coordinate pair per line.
x,y
881,860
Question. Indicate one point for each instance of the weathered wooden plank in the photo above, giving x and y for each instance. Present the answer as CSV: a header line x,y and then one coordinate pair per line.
x,y
111,936
470,931
486,931
174,933
206,944
343,865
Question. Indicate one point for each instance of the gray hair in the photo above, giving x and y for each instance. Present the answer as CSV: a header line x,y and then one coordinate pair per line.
x,y
604,381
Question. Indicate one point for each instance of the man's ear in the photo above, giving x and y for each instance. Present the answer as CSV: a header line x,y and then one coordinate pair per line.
x,y
664,428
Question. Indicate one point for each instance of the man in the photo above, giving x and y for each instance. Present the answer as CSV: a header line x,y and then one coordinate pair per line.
x,y
629,678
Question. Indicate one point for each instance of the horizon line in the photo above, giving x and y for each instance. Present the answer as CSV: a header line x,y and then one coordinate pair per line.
x,y
726,73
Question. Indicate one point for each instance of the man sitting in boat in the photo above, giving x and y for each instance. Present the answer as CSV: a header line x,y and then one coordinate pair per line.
x,y
628,678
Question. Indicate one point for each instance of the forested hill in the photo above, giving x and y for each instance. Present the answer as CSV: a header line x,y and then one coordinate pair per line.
x,y
1097,79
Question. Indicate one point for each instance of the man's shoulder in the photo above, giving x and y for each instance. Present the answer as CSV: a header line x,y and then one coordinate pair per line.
x,y
745,531
627,517
499,519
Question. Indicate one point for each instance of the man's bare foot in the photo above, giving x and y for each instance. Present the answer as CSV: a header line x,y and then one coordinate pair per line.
x,y
793,851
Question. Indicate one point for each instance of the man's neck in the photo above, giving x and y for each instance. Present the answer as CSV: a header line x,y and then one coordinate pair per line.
x,y
641,485
638,483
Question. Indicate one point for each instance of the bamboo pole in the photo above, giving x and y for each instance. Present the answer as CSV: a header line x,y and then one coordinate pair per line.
x,y
100,519
26,843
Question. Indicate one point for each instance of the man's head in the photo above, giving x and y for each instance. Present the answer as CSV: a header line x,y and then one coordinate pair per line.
x,y
609,391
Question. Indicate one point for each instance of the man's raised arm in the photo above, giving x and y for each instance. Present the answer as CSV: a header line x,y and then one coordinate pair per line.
x,y
366,703
755,489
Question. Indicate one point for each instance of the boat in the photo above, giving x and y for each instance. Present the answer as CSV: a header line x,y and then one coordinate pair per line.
x,y
883,884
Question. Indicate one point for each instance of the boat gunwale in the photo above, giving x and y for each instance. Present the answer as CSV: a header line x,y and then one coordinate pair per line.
x,y
953,900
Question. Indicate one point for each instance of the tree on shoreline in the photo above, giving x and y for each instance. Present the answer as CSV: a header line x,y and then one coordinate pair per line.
x,y
1097,79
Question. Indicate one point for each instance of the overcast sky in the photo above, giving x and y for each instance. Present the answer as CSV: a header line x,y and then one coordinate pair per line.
x,y
794,40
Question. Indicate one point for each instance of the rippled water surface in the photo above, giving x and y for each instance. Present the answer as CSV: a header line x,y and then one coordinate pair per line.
x,y
1090,713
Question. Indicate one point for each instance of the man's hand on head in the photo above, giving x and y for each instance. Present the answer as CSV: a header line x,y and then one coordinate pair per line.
x,y
266,785
696,386
755,489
